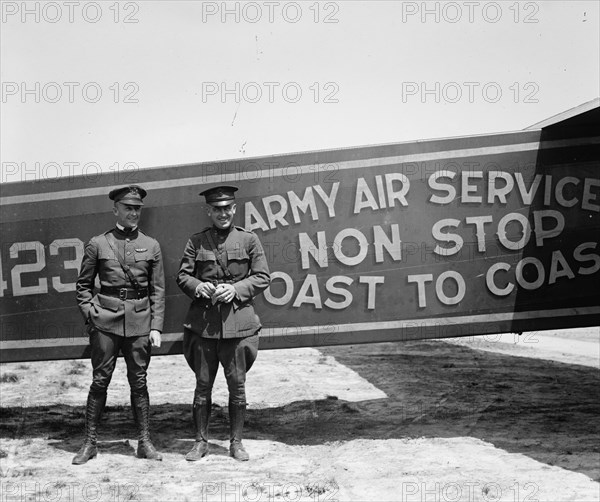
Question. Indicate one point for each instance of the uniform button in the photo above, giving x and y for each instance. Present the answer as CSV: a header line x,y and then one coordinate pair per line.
x,y
128,252
127,239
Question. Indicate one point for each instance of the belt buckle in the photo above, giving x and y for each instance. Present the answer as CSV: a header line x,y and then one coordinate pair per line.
x,y
123,294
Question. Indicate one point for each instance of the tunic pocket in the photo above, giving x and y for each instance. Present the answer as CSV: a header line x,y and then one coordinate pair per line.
x,y
238,262
142,257
141,305
106,253
109,303
205,255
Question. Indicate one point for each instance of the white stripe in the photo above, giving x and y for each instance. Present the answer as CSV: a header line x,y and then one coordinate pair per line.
x,y
304,169
341,328
423,323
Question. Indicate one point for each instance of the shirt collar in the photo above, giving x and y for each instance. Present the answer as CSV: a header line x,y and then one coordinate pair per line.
x,y
126,230
222,231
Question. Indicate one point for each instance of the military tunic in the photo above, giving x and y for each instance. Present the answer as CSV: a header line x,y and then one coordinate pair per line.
x,y
118,317
245,259
225,333
108,313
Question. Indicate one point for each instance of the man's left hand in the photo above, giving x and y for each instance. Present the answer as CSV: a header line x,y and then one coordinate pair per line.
x,y
225,293
155,338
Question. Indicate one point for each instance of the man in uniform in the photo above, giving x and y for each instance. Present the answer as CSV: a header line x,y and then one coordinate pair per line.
x,y
125,315
223,268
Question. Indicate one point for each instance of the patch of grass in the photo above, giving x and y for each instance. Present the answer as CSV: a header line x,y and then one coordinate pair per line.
x,y
77,368
320,488
27,472
67,385
9,378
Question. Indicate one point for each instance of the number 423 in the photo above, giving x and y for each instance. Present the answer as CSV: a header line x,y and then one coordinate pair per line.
x,y
40,284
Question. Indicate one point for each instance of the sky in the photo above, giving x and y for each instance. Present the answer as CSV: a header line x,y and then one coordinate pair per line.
x,y
108,85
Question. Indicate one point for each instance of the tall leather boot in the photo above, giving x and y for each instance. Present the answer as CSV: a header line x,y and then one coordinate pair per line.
x,y
93,412
140,404
201,416
237,415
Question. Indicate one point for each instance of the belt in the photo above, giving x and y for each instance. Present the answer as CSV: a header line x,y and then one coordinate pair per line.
x,y
124,293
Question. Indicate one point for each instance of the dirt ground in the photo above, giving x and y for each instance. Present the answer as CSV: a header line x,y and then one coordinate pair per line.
x,y
494,418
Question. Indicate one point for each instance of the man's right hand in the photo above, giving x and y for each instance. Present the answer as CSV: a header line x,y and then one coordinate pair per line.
x,y
205,290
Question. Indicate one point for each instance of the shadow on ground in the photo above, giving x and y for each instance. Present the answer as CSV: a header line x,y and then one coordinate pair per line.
x,y
543,409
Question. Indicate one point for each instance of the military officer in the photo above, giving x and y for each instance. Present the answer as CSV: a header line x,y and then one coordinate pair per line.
x,y
125,315
222,270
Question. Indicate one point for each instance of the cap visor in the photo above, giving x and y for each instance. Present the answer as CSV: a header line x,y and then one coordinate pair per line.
x,y
221,203
131,202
